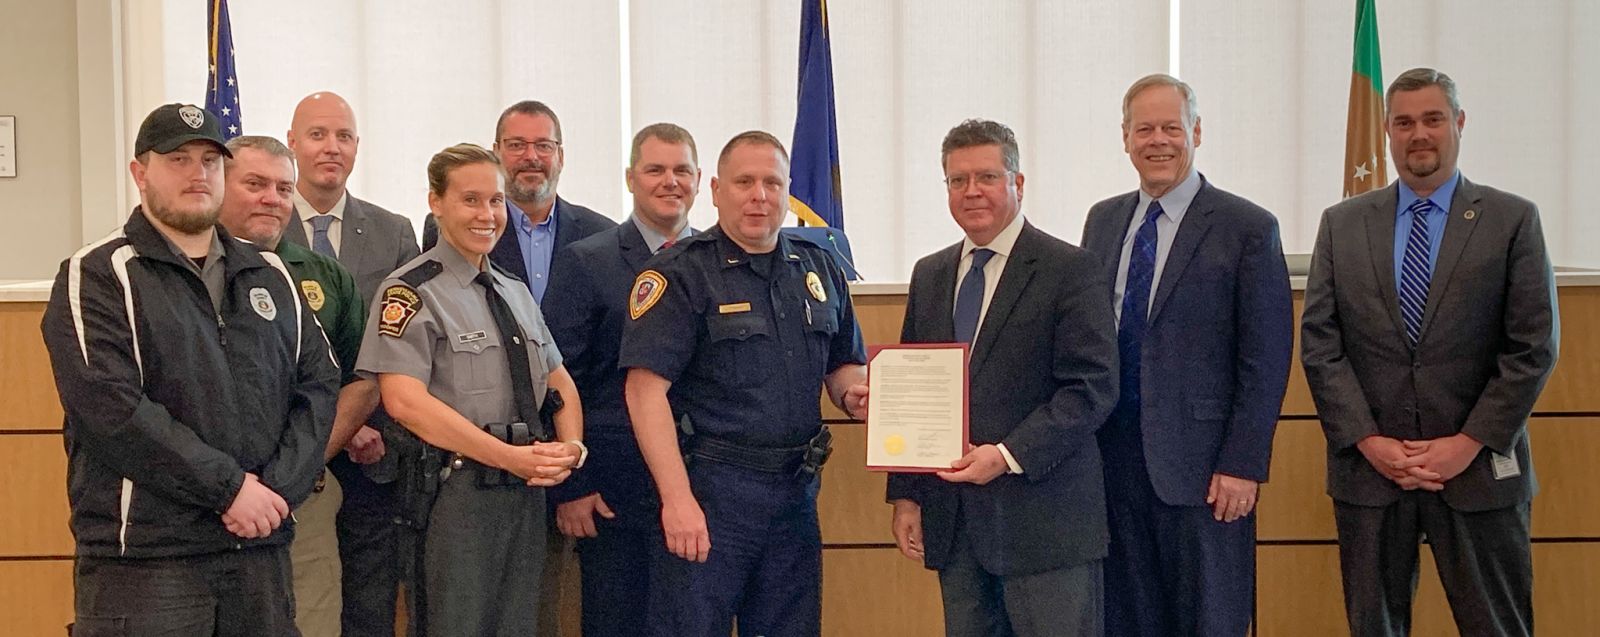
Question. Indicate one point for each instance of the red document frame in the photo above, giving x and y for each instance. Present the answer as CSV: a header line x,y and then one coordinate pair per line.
x,y
966,400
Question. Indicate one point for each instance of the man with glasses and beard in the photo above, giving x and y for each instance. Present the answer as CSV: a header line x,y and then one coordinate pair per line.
x,y
199,392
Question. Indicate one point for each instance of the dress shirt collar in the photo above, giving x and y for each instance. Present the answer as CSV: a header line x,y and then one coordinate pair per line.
x,y
1003,242
307,210
1176,202
1440,198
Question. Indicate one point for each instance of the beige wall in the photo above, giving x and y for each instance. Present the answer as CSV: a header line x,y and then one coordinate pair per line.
x,y
40,209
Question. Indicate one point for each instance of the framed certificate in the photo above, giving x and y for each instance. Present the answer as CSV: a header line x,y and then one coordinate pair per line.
x,y
917,407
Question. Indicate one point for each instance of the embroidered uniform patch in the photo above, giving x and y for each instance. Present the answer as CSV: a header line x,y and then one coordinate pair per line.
x,y
814,284
647,290
399,305
261,302
314,296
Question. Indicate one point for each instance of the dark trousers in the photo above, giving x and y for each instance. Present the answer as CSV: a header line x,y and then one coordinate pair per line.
x,y
238,593
616,577
1059,602
1485,563
765,565
1173,570
483,553
367,551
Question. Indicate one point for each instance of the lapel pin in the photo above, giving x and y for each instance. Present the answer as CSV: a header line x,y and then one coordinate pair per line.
x,y
358,230
1470,215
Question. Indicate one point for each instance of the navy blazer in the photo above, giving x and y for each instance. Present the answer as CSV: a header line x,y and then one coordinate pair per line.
x,y
1043,379
586,308
1218,342
575,222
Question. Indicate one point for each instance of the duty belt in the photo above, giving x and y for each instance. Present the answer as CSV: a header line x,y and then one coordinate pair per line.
x,y
806,459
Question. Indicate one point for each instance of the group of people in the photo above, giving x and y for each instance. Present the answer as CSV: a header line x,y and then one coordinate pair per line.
x,y
279,406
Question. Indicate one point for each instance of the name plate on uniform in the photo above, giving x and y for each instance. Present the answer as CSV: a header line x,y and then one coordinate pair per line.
x,y
917,407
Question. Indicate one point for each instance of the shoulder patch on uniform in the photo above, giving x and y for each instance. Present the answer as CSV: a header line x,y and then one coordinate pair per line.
x,y
647,289
420,274
314,296
399,305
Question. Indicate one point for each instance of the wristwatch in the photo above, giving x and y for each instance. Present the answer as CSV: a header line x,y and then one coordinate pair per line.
x,y
583,453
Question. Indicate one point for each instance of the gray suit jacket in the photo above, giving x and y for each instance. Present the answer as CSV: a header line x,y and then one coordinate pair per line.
x,y
1489,338
1043,379
373,243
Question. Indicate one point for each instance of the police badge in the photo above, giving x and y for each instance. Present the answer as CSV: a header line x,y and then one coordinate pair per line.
x,y
314,297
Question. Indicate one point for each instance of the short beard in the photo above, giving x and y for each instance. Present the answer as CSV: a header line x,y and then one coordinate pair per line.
x,y
186,223
516,192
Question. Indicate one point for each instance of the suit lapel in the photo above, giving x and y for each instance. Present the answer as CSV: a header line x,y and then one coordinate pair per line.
x,y
633,248
1013,280
1457,231
1380,243
353,248
1112,252
940,312
1196,222
296,231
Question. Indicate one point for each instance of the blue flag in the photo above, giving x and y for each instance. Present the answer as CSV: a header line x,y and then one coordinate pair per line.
x,y
814,168
222,87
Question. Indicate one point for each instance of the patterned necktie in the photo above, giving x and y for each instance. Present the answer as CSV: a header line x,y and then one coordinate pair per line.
x,y
319,236
1136,305
511,340
1416,270
969,299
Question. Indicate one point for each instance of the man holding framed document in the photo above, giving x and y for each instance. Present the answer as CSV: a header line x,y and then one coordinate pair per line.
x,y
1015,525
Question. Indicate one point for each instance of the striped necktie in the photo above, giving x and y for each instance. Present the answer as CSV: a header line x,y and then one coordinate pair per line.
x,y
1416,269
1136,307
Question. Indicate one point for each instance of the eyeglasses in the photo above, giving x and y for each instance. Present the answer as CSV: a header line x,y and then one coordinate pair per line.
x,y
517,145
985,179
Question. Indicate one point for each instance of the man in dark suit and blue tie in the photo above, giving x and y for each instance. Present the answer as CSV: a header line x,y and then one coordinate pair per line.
x,y
1430,328
1205,332
610,503
1016,527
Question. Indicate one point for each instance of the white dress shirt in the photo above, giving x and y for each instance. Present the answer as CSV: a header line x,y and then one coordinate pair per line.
x,y
1002,245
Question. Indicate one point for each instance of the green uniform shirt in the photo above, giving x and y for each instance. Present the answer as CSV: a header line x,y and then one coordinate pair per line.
x,y
331,292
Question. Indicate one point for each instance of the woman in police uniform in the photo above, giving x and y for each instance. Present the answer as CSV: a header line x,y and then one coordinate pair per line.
x,y
462,358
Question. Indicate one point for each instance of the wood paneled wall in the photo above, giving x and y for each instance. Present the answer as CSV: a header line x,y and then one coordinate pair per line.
x,y
868,588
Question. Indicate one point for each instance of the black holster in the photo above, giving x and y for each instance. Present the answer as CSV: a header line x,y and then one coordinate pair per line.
x,y
417,480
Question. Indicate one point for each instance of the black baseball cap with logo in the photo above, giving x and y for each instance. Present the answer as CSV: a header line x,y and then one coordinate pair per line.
x,y
173,125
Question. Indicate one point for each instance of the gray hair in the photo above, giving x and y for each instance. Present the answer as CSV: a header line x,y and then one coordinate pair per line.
x,y
526,107
263,143
1191,105
1420,78
982,132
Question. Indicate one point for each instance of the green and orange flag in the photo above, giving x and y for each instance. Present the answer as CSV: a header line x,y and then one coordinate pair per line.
x,y
1365,167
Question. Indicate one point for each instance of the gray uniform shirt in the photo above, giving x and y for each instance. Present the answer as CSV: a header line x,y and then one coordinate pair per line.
x,y
442,333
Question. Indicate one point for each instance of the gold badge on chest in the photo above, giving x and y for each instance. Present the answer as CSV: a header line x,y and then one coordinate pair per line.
x,y
314,297
814,284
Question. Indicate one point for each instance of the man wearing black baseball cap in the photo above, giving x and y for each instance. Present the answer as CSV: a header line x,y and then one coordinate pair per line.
x,y
199,393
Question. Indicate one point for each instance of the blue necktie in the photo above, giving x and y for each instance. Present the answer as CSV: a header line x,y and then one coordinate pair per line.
x,y
1416,270
969,299
1136,306
319,236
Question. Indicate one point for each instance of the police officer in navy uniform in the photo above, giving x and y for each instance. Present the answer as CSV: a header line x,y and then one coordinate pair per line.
x,y
731,335
463,360
610,505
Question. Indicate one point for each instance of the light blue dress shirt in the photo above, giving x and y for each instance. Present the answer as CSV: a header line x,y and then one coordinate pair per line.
x,y
1436,221
653,239
538,243
1174,205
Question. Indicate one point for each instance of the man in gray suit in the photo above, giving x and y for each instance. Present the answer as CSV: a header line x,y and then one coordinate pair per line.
x,y
370,242
1430,328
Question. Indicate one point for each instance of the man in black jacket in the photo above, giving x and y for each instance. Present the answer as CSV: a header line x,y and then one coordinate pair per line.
x,y
199,392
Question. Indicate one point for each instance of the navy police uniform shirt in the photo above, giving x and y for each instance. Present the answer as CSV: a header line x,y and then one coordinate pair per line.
x,y
745,339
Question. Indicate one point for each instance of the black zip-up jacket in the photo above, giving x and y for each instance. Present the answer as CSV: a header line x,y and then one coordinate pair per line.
x,y
169,402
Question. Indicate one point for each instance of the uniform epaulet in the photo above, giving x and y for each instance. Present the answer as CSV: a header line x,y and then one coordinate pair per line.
x,y
422,273
503,272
